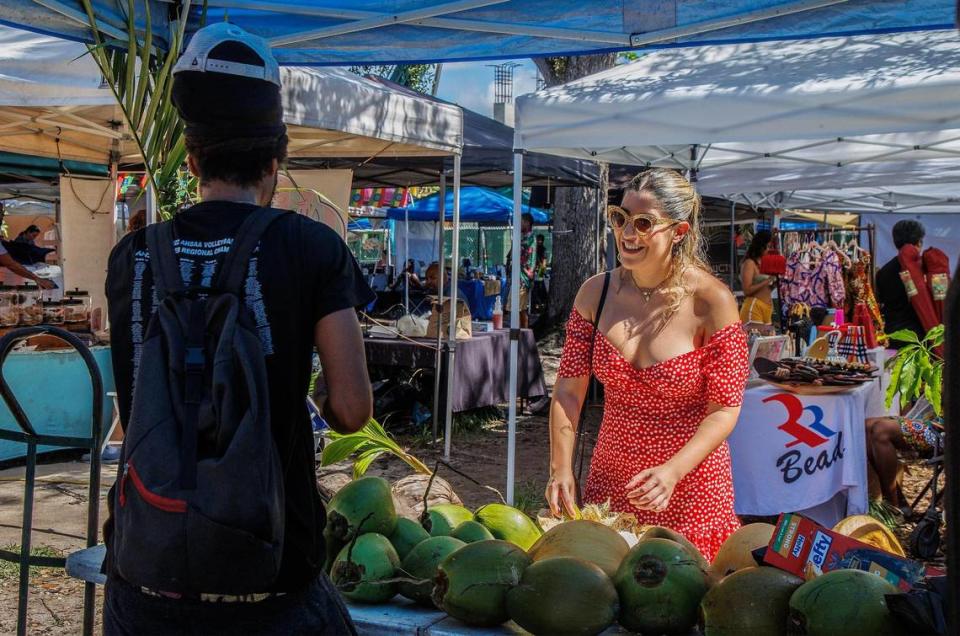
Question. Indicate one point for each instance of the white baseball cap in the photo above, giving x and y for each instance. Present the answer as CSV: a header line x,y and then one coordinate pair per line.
x,y
197,56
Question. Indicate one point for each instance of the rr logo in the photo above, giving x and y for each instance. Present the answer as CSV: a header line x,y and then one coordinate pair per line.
x,y
813,434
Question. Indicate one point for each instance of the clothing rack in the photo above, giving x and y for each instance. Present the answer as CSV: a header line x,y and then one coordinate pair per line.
x,y
870,230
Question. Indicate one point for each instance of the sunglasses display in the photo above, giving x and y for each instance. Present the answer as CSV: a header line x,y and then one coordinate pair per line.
x,y
642,223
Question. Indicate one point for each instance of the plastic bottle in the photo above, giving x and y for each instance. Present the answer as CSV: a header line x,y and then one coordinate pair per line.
x,y
497,314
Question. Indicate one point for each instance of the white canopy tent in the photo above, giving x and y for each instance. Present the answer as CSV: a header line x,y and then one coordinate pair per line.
x,y
763,119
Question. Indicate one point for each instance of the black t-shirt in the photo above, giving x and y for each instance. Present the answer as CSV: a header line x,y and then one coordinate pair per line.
x,y
897,311
300,272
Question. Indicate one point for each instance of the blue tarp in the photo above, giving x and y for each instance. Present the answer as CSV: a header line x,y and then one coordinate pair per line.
x,y
359,225
477,205
345,32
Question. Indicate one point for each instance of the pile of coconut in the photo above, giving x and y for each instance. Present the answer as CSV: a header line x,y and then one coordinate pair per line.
x,y
581,576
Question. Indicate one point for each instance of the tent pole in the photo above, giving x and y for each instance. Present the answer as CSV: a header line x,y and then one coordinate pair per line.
x,y
733,246
151,212
452,343
514,324
406,259
439,359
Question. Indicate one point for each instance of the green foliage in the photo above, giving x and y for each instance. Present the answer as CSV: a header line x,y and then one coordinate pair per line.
x,y
367,445
11,570
139,73
917,369
419,77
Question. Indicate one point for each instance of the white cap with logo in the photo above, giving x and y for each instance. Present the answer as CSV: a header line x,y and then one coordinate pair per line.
x,y
197,57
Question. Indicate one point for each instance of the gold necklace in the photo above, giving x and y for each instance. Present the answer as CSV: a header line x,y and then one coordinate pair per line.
x,y
646,292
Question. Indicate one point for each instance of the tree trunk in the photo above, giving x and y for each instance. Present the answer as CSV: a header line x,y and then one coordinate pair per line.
x,y
577,212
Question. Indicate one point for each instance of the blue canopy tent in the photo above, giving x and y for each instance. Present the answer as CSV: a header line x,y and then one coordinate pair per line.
x,y
346,32
477,205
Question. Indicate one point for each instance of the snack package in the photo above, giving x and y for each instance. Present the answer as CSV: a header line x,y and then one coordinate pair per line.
x,y
805,548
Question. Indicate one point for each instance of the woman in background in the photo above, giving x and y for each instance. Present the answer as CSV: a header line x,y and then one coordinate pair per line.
x,y
757,294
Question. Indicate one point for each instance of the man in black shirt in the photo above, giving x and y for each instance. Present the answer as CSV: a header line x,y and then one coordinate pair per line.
x,y
895,306
301,289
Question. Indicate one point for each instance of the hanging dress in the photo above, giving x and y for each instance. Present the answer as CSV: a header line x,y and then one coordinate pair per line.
x,y
650,414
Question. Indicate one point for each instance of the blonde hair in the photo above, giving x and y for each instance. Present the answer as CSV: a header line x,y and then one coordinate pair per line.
x,y
680,201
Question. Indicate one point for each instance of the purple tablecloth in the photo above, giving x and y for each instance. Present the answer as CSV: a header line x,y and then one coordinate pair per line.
x,y
481,365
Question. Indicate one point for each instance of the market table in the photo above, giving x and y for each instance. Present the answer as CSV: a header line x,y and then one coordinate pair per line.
x,y
481,365
803,453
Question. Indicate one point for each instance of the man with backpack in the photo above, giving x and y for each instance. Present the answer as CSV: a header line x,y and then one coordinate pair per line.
x,y
215,522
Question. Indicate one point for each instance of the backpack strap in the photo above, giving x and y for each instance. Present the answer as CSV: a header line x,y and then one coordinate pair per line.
x,y
164,263
231,275
578,453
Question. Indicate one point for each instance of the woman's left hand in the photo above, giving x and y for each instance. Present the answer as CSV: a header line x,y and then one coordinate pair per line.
x,y
652,488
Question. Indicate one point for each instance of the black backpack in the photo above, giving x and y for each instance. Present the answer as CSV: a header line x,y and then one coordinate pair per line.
x,y
199,504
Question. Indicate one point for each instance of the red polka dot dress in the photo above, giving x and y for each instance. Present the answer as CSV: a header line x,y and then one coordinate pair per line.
x,y
650,413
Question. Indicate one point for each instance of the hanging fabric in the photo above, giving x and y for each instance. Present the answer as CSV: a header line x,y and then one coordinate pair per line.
x,y
936,265
915,283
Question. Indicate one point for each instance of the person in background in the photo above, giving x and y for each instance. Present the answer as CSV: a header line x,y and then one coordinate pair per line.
x,y
10,263
672,356
898,313
541,260
527,268
757,294
301,287
29,235
408,278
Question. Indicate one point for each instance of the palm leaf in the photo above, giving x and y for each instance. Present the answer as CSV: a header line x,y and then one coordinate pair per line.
x,y
368,443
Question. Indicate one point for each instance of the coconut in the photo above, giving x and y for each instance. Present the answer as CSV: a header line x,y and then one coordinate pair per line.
x,y
509,524
471,531
660,585
363,505
410,490
407,535
472,583
580,598
364,571
867,529
842,603
660,532
754,600
736,552
588,540
421,566
440,520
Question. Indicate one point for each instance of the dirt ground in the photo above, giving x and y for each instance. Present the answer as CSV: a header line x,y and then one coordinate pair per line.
x,y
56,601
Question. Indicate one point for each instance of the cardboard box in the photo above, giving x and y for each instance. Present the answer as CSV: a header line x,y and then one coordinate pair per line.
x,y
805,548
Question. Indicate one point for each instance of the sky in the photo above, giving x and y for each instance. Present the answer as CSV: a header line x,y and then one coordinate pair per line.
x,y
470,84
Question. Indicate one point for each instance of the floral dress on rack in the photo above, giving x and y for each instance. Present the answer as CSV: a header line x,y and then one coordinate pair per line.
x,y
650,414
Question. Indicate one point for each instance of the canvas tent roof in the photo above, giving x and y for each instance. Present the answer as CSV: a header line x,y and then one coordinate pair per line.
x,y
477,205
943,198
487,159
751,117
53,104
345,32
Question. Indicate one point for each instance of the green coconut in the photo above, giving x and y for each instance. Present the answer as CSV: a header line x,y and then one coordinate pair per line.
x,y
588,540
365,504
471,531
421,566
754,600
406,536
842,603
332,547
509,524
472,583
563,595
660,585
440,520
365,570
660,532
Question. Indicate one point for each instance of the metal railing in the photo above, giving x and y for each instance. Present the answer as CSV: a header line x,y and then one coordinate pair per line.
x,y
29,436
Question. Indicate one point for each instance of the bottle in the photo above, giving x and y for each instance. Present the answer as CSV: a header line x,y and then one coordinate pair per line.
x,y
497,314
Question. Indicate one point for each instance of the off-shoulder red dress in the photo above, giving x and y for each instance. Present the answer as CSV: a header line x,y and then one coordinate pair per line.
x,y
650,413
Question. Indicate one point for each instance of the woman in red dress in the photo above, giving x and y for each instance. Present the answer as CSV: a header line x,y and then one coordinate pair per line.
x,y
672,357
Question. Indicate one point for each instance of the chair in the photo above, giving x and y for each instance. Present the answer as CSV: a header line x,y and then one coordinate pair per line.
x,y
32,439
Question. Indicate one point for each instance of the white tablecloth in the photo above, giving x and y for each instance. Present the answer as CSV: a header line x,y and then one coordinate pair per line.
x,y
798,453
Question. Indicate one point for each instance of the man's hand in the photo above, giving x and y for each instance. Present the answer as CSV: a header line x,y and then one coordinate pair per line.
x,y
44,283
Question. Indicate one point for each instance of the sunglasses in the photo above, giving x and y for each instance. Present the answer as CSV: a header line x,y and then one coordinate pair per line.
x,y
642,223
